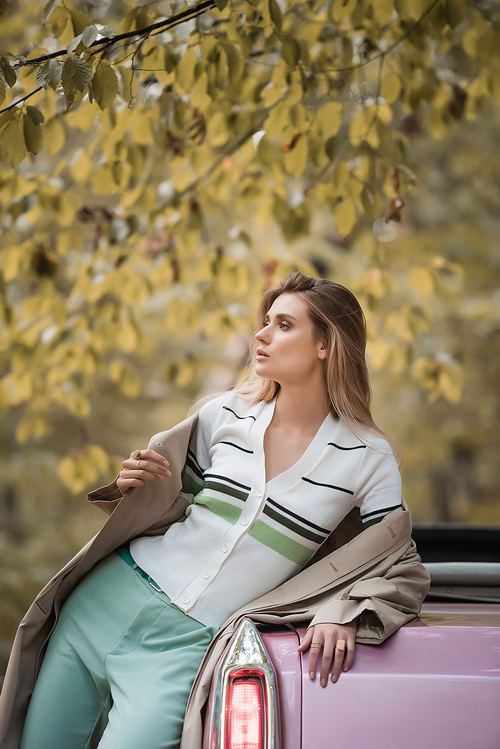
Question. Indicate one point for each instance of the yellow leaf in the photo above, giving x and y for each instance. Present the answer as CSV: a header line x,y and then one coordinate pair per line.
x,y
32,427
391,87
469,41
105,85
399,323
342,8
70,475
199,97
397,359
330,118
141,129
128,339
422,280
488,46
383,10
345,218
54,136
451,381
217,129
378,351
98,457
270,94
103,182
296,160
185,372
184,72
81,167
12,141
80,21
33,135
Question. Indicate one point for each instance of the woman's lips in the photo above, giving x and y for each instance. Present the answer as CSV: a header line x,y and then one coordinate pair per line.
x,y
261,353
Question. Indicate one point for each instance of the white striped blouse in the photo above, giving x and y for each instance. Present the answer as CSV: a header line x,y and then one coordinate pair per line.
x,y
242,536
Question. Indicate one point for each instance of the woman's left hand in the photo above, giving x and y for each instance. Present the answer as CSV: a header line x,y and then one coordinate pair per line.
x,y
324,638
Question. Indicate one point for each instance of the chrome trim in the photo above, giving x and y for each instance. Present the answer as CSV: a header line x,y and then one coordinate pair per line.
x,y
464,573
246,650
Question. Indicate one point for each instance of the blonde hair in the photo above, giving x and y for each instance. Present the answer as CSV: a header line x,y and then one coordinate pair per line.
x,y
339,320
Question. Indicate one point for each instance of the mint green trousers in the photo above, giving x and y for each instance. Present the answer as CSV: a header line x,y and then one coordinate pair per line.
x,y
118,669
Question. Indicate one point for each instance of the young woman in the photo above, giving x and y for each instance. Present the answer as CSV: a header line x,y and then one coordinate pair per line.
x,y
269,472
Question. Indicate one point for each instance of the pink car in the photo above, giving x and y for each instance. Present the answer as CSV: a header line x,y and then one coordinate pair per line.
x,y
435,684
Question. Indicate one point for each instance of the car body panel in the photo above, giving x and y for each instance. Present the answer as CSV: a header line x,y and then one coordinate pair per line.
x,y
435,683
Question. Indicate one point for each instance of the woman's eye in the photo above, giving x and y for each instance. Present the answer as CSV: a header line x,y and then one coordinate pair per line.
x,y
284,326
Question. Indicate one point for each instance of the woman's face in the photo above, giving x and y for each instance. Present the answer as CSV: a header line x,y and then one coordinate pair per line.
x,y
288,352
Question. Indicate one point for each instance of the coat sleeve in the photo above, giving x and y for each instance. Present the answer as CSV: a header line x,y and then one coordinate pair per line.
x,y
382,601
106,497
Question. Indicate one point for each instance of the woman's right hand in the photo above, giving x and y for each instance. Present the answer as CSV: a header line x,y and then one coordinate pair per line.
x,y
143,465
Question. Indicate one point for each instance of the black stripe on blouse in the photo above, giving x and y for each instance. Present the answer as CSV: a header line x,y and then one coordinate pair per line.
x,y
244,450
385,510
225,478
226,408
330,486
302,520
358,447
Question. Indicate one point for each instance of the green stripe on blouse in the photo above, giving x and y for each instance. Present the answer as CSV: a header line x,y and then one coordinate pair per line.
x,y
190,485
295,527
224,510
225,489
277,541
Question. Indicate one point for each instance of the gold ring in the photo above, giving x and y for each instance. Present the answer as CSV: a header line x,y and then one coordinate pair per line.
x,y
136,454
341,645
138,466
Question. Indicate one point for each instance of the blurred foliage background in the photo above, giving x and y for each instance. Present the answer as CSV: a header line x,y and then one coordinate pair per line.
x,y
153,185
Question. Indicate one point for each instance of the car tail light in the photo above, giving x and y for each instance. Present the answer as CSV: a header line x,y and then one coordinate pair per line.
x,y
245,709
244,714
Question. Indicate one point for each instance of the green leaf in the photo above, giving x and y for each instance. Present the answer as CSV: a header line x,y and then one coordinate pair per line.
x,y
50,74
33,134
221,4
89,35
12,142
8,73
3,92
76,73
35,115
104,85
290,52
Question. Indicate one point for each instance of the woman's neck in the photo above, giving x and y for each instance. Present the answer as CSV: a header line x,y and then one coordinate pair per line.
x,y
299,409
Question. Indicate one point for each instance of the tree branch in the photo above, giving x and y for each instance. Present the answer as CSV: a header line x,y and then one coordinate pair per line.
x,y
186,15
19,101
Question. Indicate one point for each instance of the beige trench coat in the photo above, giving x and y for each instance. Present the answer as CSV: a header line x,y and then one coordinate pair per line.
x,y
375,575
